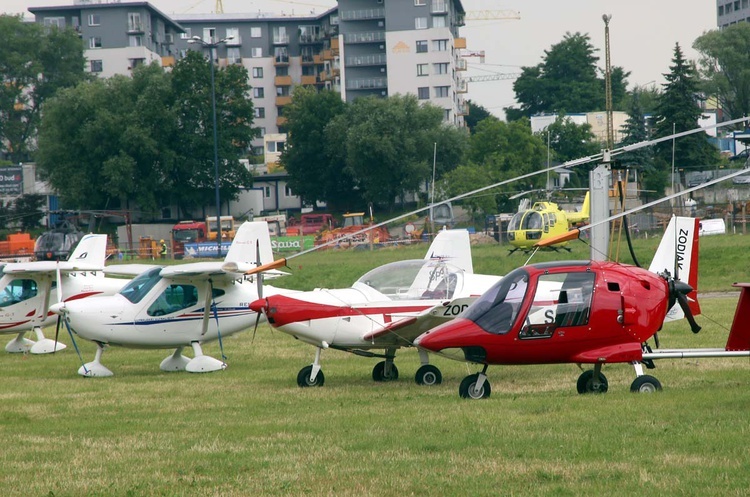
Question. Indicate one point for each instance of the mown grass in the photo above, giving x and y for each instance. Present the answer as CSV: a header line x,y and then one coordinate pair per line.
x,y
249,430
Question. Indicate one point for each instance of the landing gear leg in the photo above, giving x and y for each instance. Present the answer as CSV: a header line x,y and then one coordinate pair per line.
x,y
386,370
95,368
175,362
312,375
427,374
475,386
44,345
643,383
19,345
203,363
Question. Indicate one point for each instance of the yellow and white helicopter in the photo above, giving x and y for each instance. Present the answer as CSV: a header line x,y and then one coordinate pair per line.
x,y
543,220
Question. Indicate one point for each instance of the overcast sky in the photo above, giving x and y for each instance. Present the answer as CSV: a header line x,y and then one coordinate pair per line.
x,y
642,33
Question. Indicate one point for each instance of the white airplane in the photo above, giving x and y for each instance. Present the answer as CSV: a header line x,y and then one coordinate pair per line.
x,y
387,308
176,306
27,289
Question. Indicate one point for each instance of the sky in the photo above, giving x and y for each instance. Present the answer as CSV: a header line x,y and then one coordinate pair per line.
x,y
642,33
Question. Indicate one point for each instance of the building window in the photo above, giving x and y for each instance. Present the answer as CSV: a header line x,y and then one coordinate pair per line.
x,y
209,35
257,72
282,71
440,45
446,115
418,3
94,20
258,92
234,34
420,23
267,191
95,65
233,55
280,35
282,91
58,22
260,112
255,32
262,131
186,35
440,68
438,22
95,42
442,91
256,52
422,70
423,93
288,192
135,41
421,46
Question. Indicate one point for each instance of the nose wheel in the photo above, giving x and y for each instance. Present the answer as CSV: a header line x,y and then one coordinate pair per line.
x,y
385,371
475,386
428,375
592,381
305,378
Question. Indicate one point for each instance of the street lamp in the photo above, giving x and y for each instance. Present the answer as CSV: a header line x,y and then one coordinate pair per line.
x,y
211,47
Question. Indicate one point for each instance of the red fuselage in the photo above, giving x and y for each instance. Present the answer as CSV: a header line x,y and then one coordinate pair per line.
x,y
581,312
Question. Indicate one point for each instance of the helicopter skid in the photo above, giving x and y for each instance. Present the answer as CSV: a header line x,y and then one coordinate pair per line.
x,y
47,346
19,345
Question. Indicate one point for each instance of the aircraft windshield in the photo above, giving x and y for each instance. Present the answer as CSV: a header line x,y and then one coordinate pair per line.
x,y
140,286
532,221
496,310
18,291
415,280
515,221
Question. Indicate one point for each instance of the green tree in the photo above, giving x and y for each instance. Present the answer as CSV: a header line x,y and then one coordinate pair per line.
x,y
677,111
476,114
725,66
569,141
316,171
35,62
147,139
497,151
27,209
388,145
567,80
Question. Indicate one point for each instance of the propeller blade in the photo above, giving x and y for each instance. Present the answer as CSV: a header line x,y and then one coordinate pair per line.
x,y
563,237
259,277
57,332
58,279
683,301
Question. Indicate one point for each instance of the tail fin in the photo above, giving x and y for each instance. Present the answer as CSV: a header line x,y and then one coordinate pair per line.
x,y
678,254
455,247
739,335
250,237
583,214
91,250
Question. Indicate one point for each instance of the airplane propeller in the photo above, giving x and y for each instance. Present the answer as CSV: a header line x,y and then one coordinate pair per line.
x,y
59,300
259,282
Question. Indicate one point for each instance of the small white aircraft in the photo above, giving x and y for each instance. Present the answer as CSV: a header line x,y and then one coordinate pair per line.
x,y
177,306
387,308
27,289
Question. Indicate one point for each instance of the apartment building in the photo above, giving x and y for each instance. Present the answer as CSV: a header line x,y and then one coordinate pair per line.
x,y
730,12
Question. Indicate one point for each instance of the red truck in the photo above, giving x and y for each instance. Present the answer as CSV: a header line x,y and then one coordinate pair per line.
x,y
200,232
310,224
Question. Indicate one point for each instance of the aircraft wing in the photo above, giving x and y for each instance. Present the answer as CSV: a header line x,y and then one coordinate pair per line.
x,y
131,270
408,328
48,267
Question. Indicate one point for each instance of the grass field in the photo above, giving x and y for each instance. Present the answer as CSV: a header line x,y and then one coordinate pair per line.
x,y
249,430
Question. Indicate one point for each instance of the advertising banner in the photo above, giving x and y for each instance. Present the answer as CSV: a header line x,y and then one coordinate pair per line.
x,y
291,243
11,180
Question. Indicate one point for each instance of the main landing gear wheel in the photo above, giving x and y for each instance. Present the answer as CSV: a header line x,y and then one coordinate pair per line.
x,y
379,374
467,389
645,384
428,375
586,383
303,378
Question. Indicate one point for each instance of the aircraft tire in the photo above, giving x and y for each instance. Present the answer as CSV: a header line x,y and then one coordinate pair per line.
x,y
466,389
428,375
378,372
645,384
586,383
303,378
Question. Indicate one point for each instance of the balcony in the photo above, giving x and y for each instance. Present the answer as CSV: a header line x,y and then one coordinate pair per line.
x,y
463,109
282,81
439,7
284,100
366,37
459,43
367,84
462,86
361,14
311,38
280,121
307,59
280,39
335,45
461,64
308,80
167,61
367,60
281,60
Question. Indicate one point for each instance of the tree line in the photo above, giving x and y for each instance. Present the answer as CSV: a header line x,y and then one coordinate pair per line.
x,y
147,140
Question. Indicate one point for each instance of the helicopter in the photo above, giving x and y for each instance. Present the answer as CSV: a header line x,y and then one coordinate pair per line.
x,y
543,220
57,243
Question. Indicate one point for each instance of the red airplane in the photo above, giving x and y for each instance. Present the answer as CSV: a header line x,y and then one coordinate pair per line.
x,y
583,312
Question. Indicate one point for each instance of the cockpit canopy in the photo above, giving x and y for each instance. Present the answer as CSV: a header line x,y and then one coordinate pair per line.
x,y
415,280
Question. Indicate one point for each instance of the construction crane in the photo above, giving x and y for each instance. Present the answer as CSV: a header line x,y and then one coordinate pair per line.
x,y
219,7
492,77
